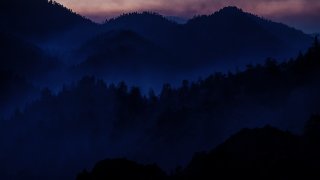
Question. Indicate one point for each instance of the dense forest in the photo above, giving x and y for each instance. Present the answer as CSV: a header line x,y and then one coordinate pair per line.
x,y
91,119
73,92
259,153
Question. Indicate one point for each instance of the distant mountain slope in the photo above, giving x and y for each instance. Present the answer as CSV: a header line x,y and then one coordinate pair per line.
x,y
177,19
224,40
150,25
21,63
124,49
227,39
21,57
232,32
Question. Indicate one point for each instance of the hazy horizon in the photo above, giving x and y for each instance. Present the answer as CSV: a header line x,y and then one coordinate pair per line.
x,y
301,14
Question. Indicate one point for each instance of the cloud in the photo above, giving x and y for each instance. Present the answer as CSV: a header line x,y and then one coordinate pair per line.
x,y
184,7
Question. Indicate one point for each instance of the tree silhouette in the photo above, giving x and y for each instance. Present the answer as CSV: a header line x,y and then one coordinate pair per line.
x,y
95,119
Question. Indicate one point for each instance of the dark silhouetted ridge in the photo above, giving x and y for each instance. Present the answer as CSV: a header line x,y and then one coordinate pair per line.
x,y
38,17
260,153
144,17
229,36
230,10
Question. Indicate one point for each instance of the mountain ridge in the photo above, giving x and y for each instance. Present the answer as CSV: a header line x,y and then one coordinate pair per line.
x,y
228,36
38,17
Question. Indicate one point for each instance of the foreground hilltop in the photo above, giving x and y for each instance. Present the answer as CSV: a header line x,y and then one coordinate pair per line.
x,y
260,153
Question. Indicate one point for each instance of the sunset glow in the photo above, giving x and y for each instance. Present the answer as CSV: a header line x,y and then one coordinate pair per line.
x,y
300,13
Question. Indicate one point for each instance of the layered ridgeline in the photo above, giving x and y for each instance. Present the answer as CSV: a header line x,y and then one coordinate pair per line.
x,y
144,49
161,49
228,38
92,120
149,47
71,127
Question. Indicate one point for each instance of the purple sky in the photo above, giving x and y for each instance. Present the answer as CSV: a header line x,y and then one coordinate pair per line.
x,y
302,14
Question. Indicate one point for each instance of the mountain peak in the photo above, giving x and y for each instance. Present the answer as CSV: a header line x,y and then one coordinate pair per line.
x,y
230,9
226,12
151,16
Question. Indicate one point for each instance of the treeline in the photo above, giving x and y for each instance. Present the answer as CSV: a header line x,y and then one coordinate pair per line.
x,y
126,106
91,119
